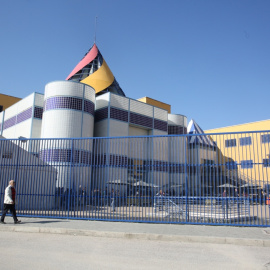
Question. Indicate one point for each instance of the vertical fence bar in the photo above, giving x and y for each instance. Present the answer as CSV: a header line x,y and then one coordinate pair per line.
x,y
186,181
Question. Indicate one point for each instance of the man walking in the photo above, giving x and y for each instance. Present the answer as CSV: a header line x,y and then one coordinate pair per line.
x,y
9,202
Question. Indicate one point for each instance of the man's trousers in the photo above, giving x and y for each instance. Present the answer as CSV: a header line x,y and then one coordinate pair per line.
x,y
11,208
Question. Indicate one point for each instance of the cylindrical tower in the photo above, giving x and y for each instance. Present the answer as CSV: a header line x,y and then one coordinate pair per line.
x,y
68,110
177,124
68,113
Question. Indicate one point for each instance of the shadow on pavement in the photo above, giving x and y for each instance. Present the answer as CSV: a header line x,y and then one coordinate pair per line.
x,y
44,222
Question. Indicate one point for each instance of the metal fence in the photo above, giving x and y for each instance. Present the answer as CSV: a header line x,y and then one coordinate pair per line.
x,y
196,179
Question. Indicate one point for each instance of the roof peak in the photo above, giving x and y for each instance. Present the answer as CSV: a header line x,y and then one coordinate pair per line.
x,y
94,71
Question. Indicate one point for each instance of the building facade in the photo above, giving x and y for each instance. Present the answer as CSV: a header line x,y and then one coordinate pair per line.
x,y
90,104
248,150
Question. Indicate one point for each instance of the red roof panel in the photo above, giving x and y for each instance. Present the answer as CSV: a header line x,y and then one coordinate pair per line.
x,y
91,55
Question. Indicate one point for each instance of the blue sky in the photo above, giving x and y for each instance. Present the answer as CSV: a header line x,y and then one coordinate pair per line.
x,y
210,60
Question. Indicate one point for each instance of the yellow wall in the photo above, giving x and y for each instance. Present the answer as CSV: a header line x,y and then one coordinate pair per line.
x,y
256,151
7,101
156,103
253,126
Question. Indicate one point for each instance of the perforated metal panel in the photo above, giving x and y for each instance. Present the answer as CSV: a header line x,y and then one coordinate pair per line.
x,y
177,124
177,119
87,126
141,108
64,88
67,112
39,99
61,124
119,102
90,93
160,114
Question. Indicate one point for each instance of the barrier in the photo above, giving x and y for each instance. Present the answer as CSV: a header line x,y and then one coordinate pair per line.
x,y
191,179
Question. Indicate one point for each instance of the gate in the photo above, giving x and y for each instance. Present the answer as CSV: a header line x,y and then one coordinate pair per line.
x,y
212,178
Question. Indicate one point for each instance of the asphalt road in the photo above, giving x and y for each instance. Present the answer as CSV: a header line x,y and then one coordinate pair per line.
x,y
20,250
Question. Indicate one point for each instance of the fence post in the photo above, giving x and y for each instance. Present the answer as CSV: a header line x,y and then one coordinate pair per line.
x,y
186,182
70,173
238,209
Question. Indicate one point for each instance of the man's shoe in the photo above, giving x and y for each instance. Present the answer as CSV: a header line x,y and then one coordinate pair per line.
x,y
16,222
2,222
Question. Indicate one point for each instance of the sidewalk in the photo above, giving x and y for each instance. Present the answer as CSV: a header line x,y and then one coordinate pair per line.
x,y
249,236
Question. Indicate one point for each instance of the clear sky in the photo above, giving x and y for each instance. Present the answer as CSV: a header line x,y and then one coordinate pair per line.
x,y
208,59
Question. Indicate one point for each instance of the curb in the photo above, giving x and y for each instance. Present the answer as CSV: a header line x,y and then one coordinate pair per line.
x,y
143,236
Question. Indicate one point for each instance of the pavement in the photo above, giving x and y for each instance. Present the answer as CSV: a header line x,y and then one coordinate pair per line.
x,y
247,236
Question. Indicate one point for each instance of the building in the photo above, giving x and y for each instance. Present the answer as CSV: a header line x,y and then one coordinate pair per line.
x,y
90,103
91,89
23,118
248,150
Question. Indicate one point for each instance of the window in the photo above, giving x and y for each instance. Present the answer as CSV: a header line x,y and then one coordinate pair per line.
x,y
7,155
245,141
1,108
266,162
231,165
247,164
265,138
208,161
230,143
